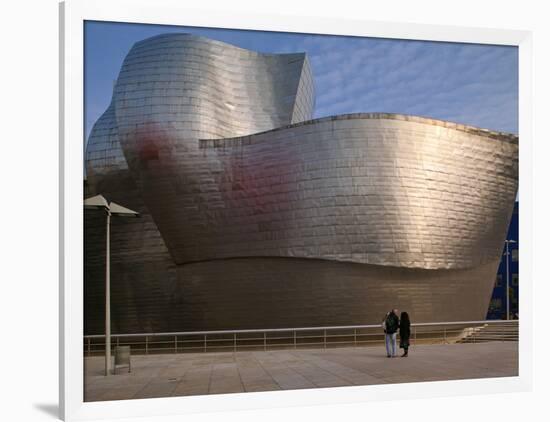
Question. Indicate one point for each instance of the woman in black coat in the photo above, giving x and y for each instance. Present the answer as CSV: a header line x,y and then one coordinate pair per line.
x,y
404,333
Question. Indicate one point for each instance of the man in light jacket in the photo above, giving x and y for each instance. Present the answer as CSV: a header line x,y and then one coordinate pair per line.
x,y
391,326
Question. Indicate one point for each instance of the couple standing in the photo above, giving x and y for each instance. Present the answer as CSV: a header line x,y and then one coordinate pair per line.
x,y
391,325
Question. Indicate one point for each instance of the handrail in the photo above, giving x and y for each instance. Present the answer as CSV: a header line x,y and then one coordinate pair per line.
x,y
275,330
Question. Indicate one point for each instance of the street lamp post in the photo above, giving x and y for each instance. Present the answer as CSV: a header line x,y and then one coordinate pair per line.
x,y
111,209
507,243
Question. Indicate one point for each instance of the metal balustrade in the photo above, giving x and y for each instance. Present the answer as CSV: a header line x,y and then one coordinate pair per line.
x,y
299,338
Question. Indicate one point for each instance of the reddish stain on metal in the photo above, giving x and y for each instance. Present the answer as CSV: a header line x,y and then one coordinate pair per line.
x,y
150,140
249,173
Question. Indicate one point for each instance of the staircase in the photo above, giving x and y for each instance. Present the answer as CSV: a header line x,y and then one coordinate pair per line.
x,y
489,332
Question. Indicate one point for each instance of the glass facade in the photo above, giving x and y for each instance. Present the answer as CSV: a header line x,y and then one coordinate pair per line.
x,y
497,309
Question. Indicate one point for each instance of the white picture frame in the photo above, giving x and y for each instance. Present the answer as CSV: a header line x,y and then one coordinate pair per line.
x,y
73,14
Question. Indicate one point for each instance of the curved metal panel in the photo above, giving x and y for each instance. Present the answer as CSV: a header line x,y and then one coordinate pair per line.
x,y
176,89
103,152
289,292
374,189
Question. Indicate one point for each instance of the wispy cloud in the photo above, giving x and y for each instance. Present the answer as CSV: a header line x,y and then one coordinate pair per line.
x,y
471,84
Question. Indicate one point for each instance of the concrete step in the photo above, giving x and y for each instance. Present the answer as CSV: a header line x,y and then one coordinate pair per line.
x,y
487,332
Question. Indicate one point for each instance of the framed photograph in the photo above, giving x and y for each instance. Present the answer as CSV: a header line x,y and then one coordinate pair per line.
x,y
263,212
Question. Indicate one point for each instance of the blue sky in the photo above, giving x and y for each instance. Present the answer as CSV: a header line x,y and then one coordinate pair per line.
x,y
465,83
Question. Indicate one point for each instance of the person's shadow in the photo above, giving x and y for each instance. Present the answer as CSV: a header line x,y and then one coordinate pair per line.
x,y
51,409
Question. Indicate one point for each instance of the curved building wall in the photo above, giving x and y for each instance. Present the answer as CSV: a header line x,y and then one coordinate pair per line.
x,y
210,89
254,216
176,89
143,272
253,293
367,188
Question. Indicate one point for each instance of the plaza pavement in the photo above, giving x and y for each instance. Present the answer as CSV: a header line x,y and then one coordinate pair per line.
x,y
216,373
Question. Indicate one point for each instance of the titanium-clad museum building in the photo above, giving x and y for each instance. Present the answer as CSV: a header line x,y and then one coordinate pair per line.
x,y
255,216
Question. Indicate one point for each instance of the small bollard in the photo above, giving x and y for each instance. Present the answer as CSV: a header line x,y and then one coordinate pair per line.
x,y
122,357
